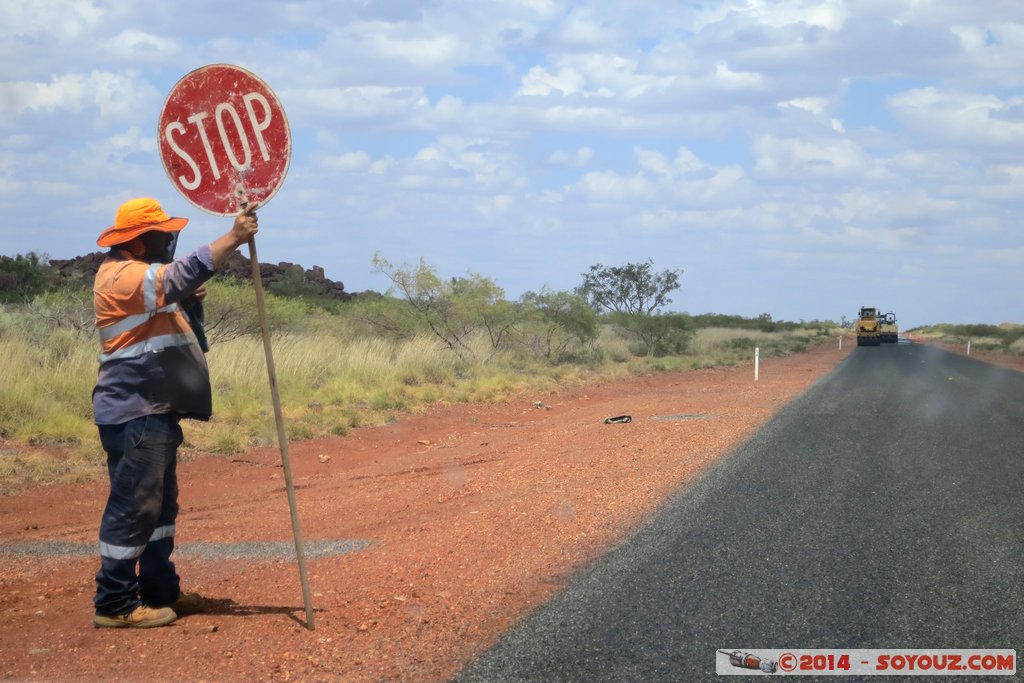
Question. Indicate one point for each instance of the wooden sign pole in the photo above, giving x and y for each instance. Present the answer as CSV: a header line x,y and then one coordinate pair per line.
x,y
282,438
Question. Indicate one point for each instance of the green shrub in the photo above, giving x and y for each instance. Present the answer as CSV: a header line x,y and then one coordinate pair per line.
x,y
24,277
656,335
231,311
742,343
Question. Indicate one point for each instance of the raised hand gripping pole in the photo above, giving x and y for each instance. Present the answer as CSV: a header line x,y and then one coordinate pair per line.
x,y
282,438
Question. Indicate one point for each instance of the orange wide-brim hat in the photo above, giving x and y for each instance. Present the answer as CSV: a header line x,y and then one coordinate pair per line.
x,y
135,217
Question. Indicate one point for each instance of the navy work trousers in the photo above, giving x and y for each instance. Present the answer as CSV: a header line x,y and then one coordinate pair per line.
x,y
137,530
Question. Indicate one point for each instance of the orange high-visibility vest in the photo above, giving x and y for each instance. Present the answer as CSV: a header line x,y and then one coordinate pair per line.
x,y
150,360
131,314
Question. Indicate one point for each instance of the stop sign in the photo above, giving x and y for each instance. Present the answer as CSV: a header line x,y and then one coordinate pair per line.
x,y
224,139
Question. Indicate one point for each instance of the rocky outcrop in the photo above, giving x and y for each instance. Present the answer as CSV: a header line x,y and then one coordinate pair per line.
x,y
288,276
80,270
287,279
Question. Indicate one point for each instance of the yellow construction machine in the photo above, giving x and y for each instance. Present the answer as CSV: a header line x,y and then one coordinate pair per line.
x,y
889,331
869,330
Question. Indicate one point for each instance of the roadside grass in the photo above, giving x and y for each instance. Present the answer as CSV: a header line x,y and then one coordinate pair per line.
x,y
715,346
47,395
25,466
1005,338
330,382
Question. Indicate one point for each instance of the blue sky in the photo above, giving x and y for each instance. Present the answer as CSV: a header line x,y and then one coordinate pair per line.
x,y
791,157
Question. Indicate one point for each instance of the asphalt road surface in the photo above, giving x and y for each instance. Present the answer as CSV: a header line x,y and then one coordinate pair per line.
x,y
882,509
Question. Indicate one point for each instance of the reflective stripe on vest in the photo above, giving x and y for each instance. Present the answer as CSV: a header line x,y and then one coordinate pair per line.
x,y
149,287
149,345
128,322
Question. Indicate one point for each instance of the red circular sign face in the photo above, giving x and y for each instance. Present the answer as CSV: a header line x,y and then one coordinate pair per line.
x,y
224,139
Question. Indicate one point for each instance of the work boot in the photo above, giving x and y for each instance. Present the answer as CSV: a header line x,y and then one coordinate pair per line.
x,y
189,603
140,617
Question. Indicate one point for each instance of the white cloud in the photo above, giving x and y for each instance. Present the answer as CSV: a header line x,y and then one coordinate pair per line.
x,y
868,239
582,29
117,96
687,162
449,109
591,117
599,75
348,162
728,79
135,45
802,158
962,118
486,162
1004,183
368,103
607,186
651,162
659,181
539,81
577,159
58,20
421,50
814,105
130,141
827,14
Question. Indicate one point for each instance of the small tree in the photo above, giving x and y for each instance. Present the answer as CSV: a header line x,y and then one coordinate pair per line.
x,y
479,302
455,310
634,289
559,324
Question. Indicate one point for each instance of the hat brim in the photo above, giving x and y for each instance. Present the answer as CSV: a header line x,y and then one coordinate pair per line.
x,y
113,236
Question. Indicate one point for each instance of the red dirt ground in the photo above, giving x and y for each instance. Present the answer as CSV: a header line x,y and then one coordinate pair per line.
x,y
475,515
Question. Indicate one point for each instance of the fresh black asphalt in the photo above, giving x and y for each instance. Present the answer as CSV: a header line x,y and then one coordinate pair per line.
x,y
882,509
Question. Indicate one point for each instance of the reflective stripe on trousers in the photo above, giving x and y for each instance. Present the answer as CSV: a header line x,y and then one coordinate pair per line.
x,y
119,552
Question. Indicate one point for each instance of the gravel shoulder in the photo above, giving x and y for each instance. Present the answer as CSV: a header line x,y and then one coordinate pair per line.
x,y
437,532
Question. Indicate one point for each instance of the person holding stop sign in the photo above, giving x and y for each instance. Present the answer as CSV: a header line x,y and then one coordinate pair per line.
x,y
152,374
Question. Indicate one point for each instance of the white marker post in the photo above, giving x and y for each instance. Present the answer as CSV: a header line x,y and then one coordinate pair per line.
x,y
757,362
840,343
968,347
